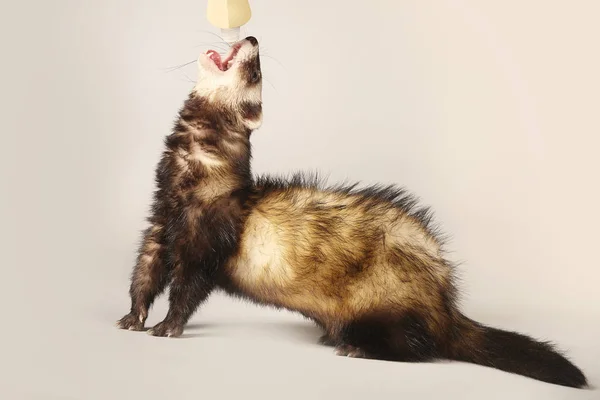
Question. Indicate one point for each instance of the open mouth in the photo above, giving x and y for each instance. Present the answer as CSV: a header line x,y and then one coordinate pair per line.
x,y
225,63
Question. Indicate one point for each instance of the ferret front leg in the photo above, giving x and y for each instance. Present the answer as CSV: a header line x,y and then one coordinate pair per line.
x,y
190,286
148,280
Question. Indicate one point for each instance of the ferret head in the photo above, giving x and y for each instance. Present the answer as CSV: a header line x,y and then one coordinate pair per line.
x,y
233,82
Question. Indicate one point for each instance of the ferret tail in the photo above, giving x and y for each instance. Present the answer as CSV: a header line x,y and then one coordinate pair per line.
x,y
512,352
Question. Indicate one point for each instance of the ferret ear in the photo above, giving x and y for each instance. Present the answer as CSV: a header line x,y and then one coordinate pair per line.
x,y
252,115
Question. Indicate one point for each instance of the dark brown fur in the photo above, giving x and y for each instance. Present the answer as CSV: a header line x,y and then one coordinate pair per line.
x,y
365,264
196,216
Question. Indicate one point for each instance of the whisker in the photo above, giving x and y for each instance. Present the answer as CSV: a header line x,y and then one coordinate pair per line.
x,y
188,78
175,68
269,82
214,34
274,59
212,44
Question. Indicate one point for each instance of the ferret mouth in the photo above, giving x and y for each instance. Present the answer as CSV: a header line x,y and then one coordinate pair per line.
x,y
225,63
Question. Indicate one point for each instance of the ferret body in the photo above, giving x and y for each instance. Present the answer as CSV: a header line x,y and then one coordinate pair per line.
x,y
365,264
339,254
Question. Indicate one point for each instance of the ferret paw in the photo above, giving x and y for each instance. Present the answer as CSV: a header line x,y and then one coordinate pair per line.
x,y
131,322
350,351
327,340
166,329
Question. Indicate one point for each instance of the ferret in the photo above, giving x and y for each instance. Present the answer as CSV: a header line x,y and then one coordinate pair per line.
x,y
365,264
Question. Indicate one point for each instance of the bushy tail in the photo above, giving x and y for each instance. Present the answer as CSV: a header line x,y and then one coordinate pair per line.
x,y
513,352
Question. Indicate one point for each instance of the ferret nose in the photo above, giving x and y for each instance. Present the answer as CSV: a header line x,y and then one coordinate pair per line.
x,y
252,40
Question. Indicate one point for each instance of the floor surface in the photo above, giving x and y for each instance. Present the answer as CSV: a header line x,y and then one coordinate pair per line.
x,y
232,350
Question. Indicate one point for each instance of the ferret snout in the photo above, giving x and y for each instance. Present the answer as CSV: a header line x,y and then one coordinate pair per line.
x,y
252,41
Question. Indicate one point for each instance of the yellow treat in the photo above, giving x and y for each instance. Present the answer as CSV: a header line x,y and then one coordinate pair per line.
x,y
229,15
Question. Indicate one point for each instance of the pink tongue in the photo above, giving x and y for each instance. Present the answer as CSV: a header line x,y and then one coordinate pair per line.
x,y
216,57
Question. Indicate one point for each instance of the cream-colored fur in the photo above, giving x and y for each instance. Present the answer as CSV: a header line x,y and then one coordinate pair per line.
x,y
293,257
227,87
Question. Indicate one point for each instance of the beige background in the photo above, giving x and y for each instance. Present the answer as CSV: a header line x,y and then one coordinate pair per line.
x,y
488,110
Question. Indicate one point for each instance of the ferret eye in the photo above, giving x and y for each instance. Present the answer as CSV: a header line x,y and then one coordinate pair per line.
x,y
255,77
